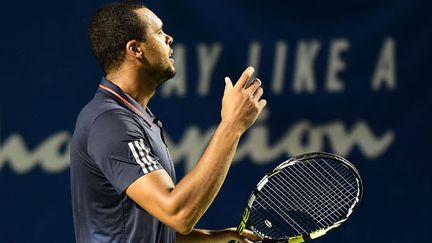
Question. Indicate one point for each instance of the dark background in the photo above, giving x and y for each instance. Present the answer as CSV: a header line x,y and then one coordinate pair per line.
x,y
48,75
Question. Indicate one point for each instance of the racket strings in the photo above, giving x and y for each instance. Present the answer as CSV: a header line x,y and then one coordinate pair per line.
x,y
341,189
338,167
298,225
298,208
344,196
312,208
313,186
296,212
304,227
296,201
318,189
271,197
306,195
315,200
349,194
260,227
337,195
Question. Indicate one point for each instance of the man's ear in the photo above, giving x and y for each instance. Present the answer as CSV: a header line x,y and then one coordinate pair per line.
x,y
133,49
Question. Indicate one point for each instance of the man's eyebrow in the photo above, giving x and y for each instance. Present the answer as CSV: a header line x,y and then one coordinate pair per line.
x,y
158,28
161,26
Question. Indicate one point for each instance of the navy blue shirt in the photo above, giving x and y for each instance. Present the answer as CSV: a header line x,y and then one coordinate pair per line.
x,y
115,142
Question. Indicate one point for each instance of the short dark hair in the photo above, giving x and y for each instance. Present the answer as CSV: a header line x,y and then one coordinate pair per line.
x,y
111,27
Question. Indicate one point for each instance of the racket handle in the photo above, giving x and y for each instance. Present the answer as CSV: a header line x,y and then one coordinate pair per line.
x,y
260,241
271,241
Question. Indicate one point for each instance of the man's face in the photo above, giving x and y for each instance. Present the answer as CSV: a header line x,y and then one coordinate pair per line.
x,y
156,48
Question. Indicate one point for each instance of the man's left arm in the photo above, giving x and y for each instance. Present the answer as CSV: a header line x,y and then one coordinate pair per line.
x,y
216,236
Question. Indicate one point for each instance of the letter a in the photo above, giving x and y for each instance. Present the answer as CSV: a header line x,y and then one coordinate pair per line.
x,y
385,70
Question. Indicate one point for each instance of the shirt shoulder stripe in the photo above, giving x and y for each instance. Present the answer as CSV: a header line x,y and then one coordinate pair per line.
x,y
143,157
137,157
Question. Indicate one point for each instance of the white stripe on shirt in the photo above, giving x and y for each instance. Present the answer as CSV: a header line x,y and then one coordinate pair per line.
x,y
143,157
137,158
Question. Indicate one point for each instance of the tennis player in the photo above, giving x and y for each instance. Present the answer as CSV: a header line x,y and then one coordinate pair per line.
x,y
122,175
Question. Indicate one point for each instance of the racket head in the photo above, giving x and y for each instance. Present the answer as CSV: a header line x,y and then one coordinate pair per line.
x,y
304,197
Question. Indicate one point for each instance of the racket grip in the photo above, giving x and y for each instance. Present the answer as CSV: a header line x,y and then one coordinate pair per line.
x,y
260,241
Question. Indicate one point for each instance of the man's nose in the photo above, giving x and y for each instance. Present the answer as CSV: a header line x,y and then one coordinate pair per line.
x,y
169,39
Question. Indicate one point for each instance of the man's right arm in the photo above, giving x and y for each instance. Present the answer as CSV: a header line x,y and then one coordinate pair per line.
x,y
181,206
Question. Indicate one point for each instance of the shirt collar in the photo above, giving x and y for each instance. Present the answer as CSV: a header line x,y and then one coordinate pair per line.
x,y
127,101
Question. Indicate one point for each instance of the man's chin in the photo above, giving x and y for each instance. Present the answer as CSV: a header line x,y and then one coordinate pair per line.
x,y
171,72
168,74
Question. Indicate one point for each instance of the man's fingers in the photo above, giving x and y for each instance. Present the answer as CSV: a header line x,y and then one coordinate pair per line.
x,y
255,85
228,85
245,77
243,239
258,93
250,235
262,103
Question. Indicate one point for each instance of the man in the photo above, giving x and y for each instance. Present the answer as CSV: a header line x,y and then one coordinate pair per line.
x,y
122,176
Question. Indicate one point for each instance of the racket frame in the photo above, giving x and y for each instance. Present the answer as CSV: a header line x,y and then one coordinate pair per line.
x,y
297,159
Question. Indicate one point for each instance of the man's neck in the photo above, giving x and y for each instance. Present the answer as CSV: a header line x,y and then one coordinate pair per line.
x,y
140,88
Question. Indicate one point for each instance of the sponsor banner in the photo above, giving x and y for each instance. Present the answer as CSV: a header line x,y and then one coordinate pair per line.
x,y
351,78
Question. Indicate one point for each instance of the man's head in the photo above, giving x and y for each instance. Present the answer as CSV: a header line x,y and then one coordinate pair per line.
x,y
129,32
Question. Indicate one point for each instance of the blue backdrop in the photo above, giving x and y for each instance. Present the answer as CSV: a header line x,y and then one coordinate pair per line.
x,y
349,77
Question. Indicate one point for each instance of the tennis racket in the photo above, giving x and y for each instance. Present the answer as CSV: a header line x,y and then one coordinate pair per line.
x,y
303,198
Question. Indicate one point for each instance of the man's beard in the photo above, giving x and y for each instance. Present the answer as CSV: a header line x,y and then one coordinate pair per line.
x,y
161,76
168,74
